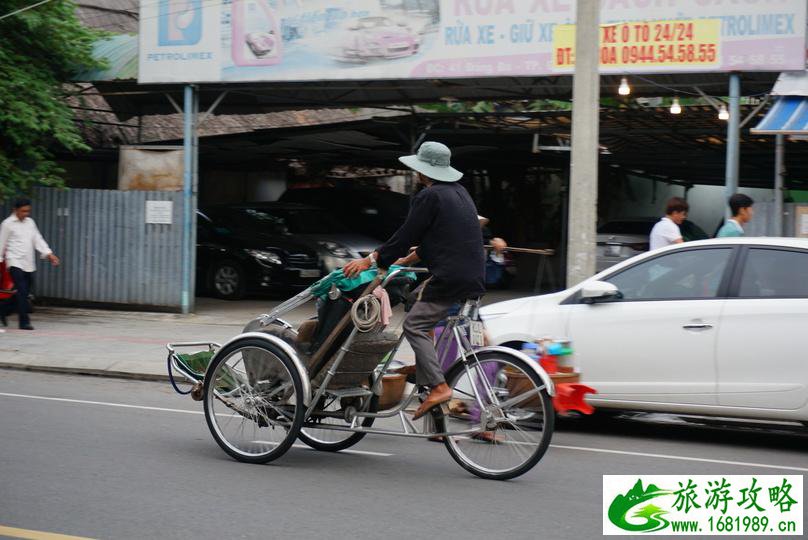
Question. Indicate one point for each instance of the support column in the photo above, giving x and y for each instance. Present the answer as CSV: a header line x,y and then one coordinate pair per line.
x,y
779,182
188,247
733,140
583,192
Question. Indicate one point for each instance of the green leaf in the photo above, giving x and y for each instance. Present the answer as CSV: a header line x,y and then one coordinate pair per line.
x,y
40,50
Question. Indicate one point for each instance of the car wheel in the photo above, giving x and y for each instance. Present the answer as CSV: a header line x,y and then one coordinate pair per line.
x,y
227,280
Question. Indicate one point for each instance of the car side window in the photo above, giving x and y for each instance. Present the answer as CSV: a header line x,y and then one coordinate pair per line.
x,y
679,275
774,273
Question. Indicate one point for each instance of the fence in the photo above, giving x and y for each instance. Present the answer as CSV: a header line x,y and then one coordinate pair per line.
x,y
110,254
763,222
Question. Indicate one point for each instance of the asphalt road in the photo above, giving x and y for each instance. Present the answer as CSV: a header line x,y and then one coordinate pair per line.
x,y
150,469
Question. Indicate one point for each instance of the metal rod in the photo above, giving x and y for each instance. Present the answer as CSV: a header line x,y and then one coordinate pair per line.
x,y
392,412
331,372
334,427
733,140
211,108
755,111
779,182
187,194
174,104
473,384
547,252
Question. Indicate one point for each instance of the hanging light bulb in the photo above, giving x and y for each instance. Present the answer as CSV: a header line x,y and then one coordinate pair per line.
x,y
624,88
723,113
675,107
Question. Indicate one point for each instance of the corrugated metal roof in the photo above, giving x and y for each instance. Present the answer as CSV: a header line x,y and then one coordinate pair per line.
x,y
119,16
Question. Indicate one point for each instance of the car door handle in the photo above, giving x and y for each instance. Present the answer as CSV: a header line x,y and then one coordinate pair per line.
x,y
700,326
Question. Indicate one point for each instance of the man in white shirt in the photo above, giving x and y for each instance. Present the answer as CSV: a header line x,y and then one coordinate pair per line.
x,y
666,231
19,238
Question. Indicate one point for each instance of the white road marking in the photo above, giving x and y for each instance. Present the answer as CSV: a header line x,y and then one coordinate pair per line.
x,y
680,458
107,404
165,409
365,452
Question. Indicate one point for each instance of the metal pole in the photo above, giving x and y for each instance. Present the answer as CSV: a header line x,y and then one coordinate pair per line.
x,y
779,182
194,203
583,193
733,140
187,194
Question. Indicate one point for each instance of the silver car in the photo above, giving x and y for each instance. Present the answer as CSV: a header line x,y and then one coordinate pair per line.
x,y
622,239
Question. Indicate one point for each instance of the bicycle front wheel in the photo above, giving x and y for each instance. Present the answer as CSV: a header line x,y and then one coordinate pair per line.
x,y
514,425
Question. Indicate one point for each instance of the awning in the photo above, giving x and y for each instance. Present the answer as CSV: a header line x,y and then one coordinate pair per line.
x,y
789,116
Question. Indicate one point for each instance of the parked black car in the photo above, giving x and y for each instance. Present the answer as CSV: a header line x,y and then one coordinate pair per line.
x,y
371,211
270,246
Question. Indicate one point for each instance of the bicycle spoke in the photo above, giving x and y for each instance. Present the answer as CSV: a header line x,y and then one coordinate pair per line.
x,y
510,394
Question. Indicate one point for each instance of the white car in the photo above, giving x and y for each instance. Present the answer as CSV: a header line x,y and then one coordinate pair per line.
x,y
714,327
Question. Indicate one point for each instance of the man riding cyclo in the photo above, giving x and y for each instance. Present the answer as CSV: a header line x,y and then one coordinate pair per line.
x,y
443,223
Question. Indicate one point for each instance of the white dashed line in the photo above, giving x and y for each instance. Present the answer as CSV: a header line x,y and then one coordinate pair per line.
x,y
382,454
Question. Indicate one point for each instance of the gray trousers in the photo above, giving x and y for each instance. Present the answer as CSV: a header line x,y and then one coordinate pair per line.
x,y
420,321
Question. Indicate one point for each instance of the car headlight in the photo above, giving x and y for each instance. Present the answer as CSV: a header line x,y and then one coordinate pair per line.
x,y
336,250
265,257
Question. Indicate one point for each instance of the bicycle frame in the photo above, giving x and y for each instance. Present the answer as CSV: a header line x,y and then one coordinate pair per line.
x,y
454,329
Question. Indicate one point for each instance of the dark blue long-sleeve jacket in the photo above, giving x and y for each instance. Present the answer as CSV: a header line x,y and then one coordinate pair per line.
x,y
443,223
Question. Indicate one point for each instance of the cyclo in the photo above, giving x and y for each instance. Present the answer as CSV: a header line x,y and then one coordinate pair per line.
x,y
325,382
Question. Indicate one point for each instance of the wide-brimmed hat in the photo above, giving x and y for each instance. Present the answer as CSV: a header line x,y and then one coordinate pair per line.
x,y
433,160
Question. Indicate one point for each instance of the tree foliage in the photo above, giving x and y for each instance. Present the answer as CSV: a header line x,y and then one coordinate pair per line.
x,y
40,50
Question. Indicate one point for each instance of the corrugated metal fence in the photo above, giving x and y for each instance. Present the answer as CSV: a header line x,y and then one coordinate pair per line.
x,y
110,255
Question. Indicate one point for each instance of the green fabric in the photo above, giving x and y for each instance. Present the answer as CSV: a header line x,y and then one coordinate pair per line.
x,y
197,363
729,230
321,288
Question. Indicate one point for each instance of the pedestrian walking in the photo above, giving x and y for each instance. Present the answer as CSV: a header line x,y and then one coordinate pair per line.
x,y
666,231
19,239
741,207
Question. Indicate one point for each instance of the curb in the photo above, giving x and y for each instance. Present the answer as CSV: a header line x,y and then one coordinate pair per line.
x,y
89,372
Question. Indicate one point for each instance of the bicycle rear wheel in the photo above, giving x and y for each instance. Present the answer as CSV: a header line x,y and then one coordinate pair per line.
x,y
253,400
516,424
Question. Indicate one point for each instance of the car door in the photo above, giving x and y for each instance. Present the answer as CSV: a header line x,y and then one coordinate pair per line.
x,y
657,343
762,358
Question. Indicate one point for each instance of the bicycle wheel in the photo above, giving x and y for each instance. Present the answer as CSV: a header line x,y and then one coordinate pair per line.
x,y
253,400
515,427
331,440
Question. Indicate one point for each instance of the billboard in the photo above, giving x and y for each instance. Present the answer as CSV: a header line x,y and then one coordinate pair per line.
x,y
300,40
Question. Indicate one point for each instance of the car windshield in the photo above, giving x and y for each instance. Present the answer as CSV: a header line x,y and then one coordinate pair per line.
x,y
295,220
627,227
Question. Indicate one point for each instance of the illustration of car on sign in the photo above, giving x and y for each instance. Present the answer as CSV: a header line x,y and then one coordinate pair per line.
x,y
371,38
261,43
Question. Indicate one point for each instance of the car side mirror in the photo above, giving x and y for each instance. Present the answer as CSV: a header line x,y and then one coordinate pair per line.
x,y
599,291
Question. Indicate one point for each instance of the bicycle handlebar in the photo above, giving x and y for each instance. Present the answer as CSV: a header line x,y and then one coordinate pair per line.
x,y
394,273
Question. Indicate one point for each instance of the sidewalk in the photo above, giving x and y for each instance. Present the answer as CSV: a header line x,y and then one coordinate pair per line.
x,y
132,344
